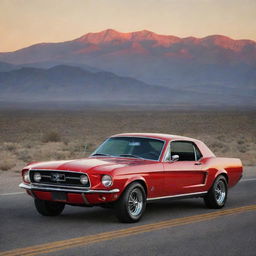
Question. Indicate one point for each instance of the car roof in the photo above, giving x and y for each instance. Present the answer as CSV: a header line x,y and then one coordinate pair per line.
x,y
169,137
160,136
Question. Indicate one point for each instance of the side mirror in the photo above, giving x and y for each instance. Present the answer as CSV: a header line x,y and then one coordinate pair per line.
x,y
175,158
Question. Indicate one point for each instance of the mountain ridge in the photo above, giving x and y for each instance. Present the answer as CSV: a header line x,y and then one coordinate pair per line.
x,y
208,66
137,35
143,42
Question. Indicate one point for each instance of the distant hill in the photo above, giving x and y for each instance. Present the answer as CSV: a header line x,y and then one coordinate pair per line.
x,y
6,66
68,83
72,84
216,68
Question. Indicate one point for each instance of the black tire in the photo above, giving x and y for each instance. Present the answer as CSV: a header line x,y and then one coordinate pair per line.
x,y
217,195
48,208
132,203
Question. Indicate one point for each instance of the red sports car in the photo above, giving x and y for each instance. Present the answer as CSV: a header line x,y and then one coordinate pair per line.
x,y
128,170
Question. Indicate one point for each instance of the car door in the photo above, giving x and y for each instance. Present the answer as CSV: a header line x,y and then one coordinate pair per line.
x,y
185,175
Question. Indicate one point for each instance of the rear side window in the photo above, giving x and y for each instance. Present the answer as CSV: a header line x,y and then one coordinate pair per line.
x,y
186,151
198,153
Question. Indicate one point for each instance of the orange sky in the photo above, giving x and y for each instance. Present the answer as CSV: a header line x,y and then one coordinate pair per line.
x,y
26,22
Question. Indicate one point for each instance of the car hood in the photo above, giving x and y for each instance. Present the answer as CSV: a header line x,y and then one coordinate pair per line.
x,y
87,164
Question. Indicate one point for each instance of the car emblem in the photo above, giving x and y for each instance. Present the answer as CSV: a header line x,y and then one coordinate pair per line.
x,y
58,177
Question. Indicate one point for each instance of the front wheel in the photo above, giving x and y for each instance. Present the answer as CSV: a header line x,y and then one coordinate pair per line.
x,y
131,204
217,195
49,208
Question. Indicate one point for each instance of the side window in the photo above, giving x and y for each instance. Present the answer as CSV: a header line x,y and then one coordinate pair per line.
x,y
184,149
198,153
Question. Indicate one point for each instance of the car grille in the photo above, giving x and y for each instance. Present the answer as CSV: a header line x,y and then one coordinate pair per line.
x,y
59,178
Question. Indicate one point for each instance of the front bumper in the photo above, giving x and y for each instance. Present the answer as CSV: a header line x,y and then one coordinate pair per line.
x,y
65,189
74,196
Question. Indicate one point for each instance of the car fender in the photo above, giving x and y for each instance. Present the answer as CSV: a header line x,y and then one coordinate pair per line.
x,y
136,178
221,172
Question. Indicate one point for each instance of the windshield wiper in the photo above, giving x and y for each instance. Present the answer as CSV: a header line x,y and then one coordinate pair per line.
x,y
130,155
101,154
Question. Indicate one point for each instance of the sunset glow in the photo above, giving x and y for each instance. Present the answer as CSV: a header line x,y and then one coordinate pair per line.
x,y
26,22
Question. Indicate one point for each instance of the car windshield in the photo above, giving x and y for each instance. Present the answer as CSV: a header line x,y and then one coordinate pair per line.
x,y
133,147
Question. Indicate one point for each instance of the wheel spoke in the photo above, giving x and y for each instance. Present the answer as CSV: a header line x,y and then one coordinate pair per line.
x,y
135,202
220,192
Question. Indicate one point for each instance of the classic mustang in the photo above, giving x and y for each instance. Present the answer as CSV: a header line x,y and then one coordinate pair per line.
x,y
128,170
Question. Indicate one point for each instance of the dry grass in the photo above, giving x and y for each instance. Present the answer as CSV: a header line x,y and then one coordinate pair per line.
x,y
46,135
7,160
51,136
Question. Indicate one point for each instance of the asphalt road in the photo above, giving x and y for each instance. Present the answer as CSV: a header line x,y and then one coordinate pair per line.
x,y
182,227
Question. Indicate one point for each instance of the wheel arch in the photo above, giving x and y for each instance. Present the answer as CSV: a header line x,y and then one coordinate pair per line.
x,y
140,180
223,173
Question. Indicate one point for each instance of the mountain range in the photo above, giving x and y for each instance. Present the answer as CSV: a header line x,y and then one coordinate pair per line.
x,y
137,66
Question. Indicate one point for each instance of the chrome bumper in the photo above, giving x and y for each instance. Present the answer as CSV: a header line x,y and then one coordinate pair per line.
x,y
63,189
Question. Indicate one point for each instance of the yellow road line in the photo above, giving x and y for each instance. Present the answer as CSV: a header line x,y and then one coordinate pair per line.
x,y
85,240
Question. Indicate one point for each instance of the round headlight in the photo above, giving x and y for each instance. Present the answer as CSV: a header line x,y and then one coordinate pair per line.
x,y
26,176
37,177
106,180
83,179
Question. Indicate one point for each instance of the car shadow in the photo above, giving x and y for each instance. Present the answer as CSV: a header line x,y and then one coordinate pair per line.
x,y
162,209
173,207
155,211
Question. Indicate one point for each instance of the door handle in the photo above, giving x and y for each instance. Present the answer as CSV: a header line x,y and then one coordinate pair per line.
x,y
198,163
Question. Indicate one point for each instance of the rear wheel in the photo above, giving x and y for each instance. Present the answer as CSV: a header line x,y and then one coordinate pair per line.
x,y
49,208
132,203
217,195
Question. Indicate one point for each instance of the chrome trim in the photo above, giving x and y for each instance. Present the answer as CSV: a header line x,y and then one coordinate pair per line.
x,y
195,156
67,178
180,195
49,189
46,176
57,185
143,137
62,171
56,170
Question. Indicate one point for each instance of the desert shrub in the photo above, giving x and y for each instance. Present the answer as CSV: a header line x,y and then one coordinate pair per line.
x,y
28,144
61,155
50,151
217,145
6,165
242,149
221,137
7,161
89,147
75,147
78,147
24,155
9,146
51,136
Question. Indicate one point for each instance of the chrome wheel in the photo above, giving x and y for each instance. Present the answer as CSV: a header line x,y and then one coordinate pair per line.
x,y
217,195
220,192
132,203
135,202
